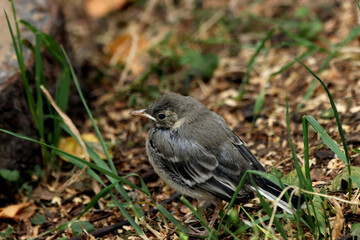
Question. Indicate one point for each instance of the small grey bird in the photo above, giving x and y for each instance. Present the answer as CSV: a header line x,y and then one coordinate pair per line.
x,y
194,151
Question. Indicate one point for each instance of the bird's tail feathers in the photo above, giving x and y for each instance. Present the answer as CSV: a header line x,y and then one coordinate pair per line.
x,y
271,191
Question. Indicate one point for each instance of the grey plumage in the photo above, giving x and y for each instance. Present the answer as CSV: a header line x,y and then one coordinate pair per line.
x,y
197,154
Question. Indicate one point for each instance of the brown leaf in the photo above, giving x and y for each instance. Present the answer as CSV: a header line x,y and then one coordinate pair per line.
x,y
353,138
99,8
339,220
324,154
18,212
43,193
120,51
70,145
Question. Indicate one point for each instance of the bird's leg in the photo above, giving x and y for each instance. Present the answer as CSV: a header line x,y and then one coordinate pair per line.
x,y
201,209
216,214
196,232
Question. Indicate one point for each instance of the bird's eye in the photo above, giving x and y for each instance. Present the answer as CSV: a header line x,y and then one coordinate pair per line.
x,y
161,116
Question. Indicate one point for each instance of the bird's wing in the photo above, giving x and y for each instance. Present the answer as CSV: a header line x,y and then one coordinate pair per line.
x,y
246,155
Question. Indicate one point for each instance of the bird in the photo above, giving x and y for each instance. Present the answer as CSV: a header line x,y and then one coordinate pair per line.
x,y
196,153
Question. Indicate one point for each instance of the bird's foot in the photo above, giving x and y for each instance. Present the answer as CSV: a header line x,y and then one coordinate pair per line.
x,y
197,232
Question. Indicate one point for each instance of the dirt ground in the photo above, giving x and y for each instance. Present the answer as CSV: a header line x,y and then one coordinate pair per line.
x,y
129,52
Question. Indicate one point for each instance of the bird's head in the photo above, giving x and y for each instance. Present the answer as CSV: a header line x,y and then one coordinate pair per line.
x,y
168,109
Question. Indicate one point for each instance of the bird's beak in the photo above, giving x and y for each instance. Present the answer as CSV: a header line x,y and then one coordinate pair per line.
x,y
142,113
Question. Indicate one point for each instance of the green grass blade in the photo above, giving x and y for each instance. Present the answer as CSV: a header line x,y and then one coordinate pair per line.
x,y
63,89
356,180
63,81
269,212
290,64
102,142
356,150
99,162
341,132
308,181
241,183
127,215
58,228
29,26
259,220
62,93
38,82
302,183
261,96
202,220
81,164
306,150
259,102
352,35
98,134
95,199
169,216
302,41
326,138
231,233
307,95
115,199
89,164
48,41
16,24
51,45
119,179
93,166
250,66
20,59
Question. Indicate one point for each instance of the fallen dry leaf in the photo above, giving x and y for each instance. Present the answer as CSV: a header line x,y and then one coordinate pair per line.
x,y
70,145
99,8
43,193
18,212
339,220
120,51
